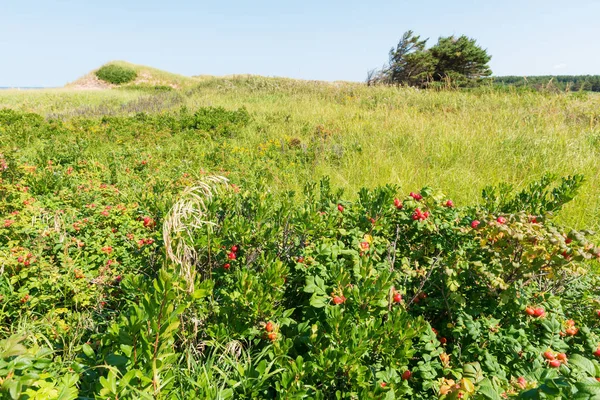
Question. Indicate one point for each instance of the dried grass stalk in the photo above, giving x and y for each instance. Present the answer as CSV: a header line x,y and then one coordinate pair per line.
x,y
185,219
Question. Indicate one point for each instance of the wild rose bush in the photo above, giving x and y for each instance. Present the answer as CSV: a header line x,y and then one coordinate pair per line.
x,y
391,295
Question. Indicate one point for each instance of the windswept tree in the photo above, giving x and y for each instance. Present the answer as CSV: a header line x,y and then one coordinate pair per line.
x,y
459,60
409,62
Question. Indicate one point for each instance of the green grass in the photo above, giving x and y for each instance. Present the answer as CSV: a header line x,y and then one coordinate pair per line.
x,y
456,141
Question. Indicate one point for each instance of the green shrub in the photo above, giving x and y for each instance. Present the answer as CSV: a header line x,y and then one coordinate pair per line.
x,y
295,295
116,74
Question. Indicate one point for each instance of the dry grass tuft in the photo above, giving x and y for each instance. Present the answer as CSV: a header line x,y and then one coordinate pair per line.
x,y
185,219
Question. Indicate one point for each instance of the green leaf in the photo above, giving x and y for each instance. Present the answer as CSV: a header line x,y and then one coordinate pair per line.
x,y
487,389
318,301
583,364
589,386
87,350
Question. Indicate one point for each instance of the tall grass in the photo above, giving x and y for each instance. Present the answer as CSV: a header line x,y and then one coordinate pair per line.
x,y
368,136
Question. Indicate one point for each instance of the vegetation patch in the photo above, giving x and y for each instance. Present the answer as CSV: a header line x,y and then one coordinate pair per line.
x,y
116,74
164,248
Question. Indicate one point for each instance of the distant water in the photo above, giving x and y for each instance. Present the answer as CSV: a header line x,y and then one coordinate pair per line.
x,y
24,88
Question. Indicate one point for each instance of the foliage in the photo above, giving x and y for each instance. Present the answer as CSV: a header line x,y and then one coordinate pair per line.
x,y
459,61
552,83
375,294
116,74
311,295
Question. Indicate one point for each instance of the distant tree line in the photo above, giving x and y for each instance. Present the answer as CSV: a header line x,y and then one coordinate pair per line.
x,y
456,61
550,82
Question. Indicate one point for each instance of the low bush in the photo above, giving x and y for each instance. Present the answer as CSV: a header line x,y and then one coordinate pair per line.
x,y
116,74
223,293
124,276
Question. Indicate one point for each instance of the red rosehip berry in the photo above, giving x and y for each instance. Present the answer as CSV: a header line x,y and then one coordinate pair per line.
x,y
554,363
340,208
337,300
597,352
269,326
443,340
272,336
384,384
149,222
397,298
449,203
501,220
406,375
475,224
539,312
227,266
561,357
522,382
530,311
572,331
398,204
234,249
548,355
231,256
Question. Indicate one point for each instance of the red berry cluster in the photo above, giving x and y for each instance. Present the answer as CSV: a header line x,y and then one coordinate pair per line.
x,y
26,260
232,255
419,215
149,222
555,359
398,204
417,196
571,328
535,312
143,242
271,331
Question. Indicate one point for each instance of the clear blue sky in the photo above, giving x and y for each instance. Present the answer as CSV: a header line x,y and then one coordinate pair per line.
x,y
51,42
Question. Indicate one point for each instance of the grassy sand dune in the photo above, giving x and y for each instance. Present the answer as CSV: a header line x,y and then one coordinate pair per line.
x,y
147,76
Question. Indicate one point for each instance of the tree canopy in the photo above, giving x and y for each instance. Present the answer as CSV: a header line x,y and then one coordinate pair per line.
x,y
454,59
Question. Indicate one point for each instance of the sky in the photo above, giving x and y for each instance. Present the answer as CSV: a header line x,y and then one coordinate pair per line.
x,y
48,43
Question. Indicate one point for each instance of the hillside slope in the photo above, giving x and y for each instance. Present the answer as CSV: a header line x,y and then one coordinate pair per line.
x,y
146,76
